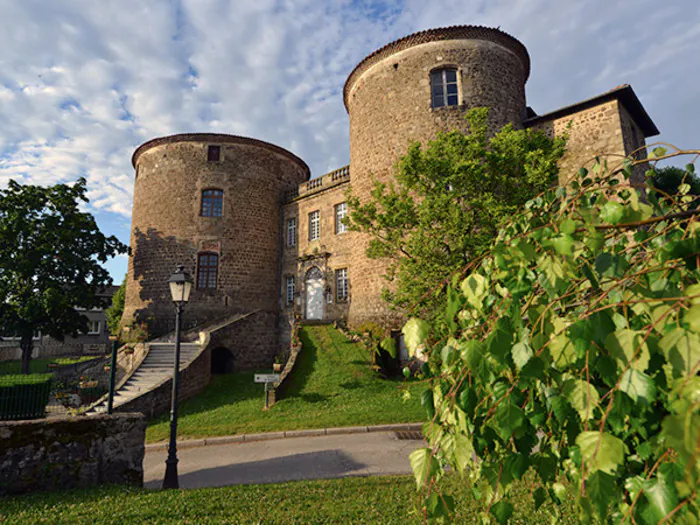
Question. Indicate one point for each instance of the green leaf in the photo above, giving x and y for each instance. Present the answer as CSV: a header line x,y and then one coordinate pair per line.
x,y
424,465
682,351
426,401
463,452
601,451
508,418
629,347
600,491
502,511
521,353
611,212
475,288
415,332
638,385
692,317
539,497
406,372
389,346
563,244
661,497
567,226
582,396
658,151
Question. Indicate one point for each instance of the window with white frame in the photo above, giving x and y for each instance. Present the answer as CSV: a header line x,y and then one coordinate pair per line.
x,y
35,336
314,225
443,88
341,284
94,327
290,289
292,231
341,210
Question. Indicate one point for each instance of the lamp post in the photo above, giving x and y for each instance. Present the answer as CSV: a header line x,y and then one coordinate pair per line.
x,y
180,286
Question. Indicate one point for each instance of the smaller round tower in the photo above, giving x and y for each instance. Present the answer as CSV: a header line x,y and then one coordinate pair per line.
x,y
212,203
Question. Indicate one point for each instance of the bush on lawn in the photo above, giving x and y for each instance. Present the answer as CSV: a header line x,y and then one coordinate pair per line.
x,y
24,396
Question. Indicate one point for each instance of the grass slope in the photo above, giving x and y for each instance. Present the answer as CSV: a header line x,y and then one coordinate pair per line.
x,y
41,365
332,385
378,500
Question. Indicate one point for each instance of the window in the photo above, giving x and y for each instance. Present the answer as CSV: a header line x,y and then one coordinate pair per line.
x,y
290,289
214,153
212,203
35,336
292,231
443,86
341,210
341,284
94,327
314,225
207,269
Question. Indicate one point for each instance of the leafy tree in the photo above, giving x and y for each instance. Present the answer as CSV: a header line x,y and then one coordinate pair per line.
x,y
50,255
669,181
574,352
448,201
115,311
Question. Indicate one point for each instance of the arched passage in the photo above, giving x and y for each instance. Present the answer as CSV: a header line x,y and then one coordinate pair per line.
x,y
221,361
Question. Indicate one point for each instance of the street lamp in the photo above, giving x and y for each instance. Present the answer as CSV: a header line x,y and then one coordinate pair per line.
x,y
180,286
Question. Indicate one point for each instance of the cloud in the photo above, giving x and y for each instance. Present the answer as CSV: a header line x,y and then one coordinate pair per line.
x,y
83,83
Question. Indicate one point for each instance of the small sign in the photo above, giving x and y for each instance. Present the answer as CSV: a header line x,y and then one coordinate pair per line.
x,y
267,378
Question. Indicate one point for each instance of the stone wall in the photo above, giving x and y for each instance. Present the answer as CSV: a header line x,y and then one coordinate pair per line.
x,y
253,341
389,104
71,452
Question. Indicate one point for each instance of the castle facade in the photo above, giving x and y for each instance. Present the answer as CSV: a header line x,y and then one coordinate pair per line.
x,y
265,241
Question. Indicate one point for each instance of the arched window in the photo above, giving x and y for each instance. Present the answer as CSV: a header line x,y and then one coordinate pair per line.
x,y
443,87
207,270
212,203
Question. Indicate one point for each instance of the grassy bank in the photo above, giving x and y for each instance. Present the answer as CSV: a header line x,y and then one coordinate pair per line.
x,y
378,500
40,366
332,385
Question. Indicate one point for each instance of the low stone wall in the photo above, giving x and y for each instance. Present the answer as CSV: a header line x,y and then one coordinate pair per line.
x,y
71,452
252,340
193,380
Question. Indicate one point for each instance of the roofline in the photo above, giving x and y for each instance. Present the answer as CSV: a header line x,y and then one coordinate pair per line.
x,y
624,93
217,138
459,32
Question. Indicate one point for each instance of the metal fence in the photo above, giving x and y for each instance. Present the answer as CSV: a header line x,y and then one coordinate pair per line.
x,y
56,386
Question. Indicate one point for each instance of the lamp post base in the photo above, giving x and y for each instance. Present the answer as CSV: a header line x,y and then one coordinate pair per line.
x,y
171,481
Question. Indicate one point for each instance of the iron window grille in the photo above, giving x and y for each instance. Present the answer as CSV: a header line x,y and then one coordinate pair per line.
x,y
443,88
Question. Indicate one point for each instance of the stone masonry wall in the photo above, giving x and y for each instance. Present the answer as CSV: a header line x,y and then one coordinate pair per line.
x,y
167,228
389,105
253,341
71,452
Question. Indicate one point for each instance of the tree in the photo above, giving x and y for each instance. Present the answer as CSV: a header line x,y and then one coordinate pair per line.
x,y
670,179
448,201
573,352
115,311
50,255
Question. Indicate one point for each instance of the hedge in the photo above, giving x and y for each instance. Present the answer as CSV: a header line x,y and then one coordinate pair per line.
x,y
24,396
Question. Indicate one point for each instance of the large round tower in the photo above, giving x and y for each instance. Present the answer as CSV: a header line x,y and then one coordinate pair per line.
x,y
409,90
212,203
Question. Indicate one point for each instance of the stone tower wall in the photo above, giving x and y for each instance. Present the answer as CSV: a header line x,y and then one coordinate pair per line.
x,y
167,228
388,99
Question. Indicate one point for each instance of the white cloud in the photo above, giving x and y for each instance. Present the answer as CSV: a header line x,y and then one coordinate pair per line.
x,y
83,83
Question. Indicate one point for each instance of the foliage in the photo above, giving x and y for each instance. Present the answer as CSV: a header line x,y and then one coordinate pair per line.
x,y
449,200
50,255
331,385
574,351
115,311
377,500
668,181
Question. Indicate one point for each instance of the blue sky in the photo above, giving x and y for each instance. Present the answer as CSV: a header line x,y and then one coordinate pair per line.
x,y
84,82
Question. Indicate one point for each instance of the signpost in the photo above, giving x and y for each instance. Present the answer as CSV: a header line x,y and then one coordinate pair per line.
x,y
268,379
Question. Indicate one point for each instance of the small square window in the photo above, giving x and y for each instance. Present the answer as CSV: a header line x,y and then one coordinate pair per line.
x,y
444,88
214,153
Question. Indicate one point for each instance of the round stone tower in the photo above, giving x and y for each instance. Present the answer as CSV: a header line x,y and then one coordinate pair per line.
x,y
212,203
409,90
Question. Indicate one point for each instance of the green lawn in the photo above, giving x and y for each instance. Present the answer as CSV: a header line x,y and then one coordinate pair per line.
x,y
377,500
40,366
332,385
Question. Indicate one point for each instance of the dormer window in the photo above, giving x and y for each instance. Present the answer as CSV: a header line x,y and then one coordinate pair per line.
x,y
443,88
212,203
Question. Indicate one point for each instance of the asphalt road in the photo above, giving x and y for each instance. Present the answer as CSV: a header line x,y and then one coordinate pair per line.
x,y
290,459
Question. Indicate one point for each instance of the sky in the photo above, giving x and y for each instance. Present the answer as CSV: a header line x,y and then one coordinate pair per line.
x,y
84,82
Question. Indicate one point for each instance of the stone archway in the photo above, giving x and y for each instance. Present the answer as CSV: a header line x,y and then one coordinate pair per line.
x,y
313,290
221,361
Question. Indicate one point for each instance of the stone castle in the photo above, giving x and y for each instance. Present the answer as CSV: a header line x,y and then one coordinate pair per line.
x,y
263,240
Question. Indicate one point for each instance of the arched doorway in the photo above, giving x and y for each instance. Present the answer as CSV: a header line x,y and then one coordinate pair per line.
x,y
314,294
221,361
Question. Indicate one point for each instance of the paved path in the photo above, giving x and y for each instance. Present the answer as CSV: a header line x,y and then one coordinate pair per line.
x,y
290,459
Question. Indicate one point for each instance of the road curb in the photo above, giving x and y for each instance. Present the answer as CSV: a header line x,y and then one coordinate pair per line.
x,y
265,436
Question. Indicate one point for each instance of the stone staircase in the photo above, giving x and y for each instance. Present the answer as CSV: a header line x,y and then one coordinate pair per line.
x,y
155,368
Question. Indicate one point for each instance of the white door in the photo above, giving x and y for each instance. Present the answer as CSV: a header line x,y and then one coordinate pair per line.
x,y
314,294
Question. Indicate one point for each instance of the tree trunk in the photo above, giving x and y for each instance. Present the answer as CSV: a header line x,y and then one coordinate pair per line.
x,y
26,345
